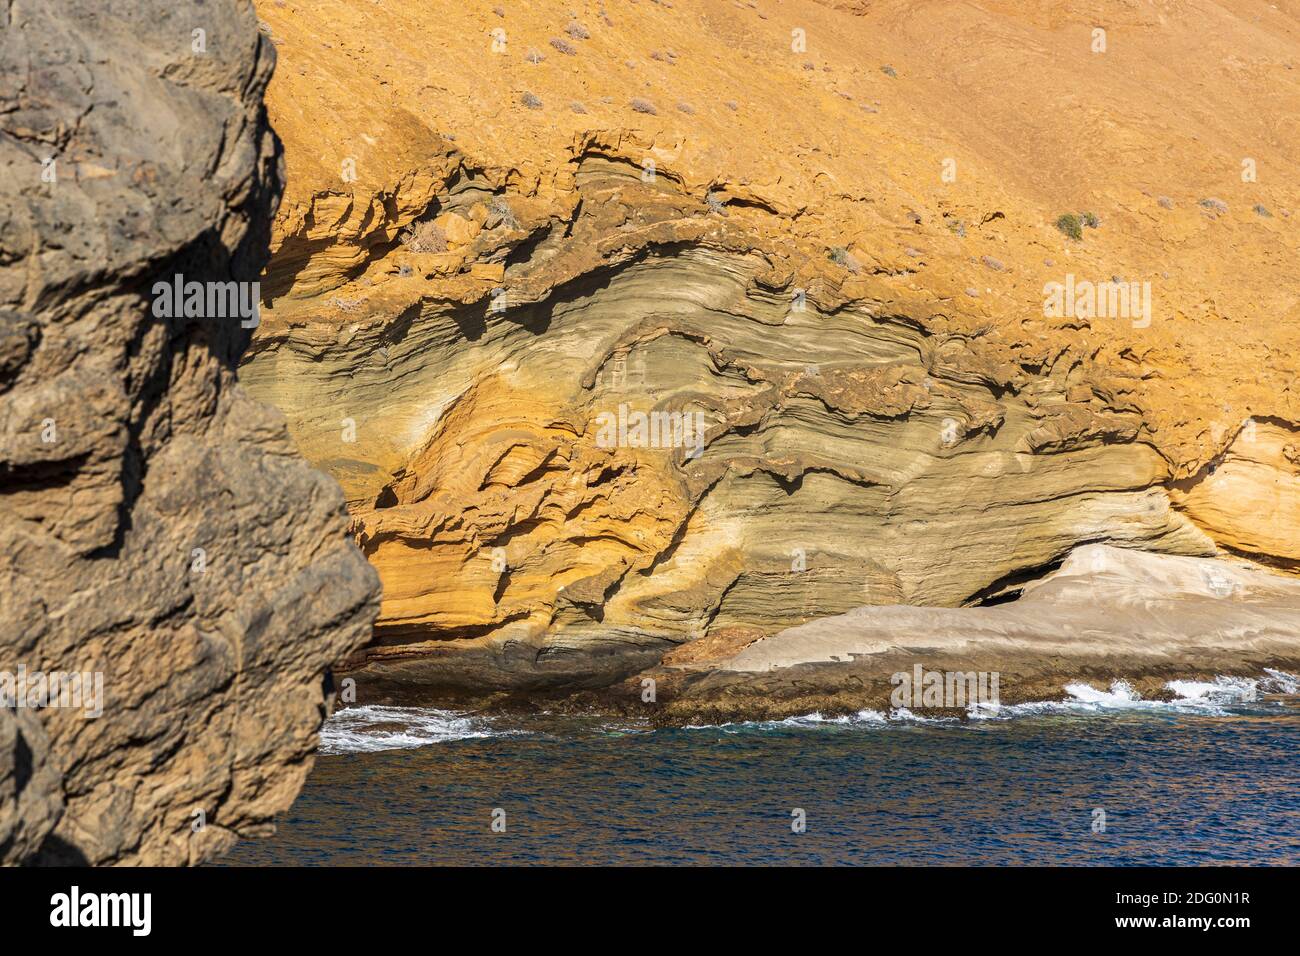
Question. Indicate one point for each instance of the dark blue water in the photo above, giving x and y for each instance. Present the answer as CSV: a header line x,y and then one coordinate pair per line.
x,y
1178,785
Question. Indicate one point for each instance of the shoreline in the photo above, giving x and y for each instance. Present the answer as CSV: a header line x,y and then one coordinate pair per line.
x,y
698,699
1105,615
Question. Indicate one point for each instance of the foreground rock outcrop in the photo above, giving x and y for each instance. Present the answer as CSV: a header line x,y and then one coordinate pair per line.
x,y
159,536
628,329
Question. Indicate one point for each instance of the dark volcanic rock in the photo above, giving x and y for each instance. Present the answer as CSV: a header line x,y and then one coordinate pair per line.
x,y
156,524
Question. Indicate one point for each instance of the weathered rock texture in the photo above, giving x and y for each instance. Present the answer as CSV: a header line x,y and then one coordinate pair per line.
x,y
837,254
156,525
1101,601
1107,613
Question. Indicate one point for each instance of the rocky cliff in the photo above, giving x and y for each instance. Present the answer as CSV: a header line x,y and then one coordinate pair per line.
x,y
628,326
165,555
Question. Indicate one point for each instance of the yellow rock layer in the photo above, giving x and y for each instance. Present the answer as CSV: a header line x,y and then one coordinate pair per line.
x,y
830,229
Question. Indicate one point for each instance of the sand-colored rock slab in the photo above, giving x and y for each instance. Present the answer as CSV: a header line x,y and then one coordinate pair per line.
x,y
1106,615
1103,602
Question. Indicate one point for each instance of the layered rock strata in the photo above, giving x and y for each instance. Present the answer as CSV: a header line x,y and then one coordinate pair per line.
x,y
510,281
159,536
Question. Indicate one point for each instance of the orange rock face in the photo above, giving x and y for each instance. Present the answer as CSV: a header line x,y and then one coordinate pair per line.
x,y
953,288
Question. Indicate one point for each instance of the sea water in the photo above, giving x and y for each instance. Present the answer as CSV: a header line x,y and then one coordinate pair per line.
x,y
1102,778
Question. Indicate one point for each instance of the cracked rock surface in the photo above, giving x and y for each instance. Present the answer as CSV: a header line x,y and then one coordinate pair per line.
x,y
157,528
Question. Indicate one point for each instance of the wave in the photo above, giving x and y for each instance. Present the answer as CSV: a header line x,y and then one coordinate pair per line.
x,y
1216,698
814,719
863,718
370,728
1219,698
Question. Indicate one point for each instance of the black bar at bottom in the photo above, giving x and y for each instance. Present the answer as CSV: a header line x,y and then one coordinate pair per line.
x,y
343,906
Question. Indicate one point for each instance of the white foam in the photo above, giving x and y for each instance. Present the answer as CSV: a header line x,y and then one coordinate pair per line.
x,y
1226,690
373,727
1207,697
1121,694
815,719
1279,682
903,715
861,717
1084,699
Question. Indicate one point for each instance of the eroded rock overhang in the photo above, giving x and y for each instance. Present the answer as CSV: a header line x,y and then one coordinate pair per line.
x,y
853,452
